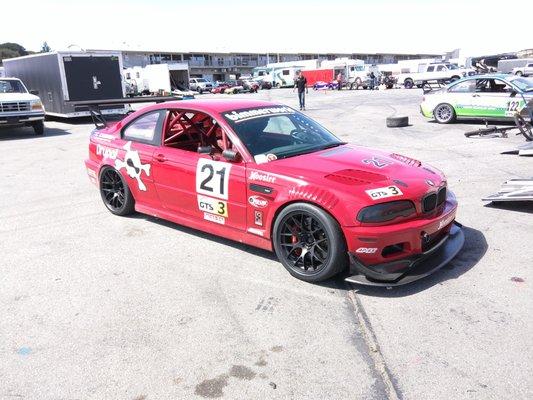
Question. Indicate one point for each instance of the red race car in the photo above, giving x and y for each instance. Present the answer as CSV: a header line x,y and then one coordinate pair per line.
x,y
269,176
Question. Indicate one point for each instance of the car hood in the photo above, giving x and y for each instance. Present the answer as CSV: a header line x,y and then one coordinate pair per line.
x,y
17,97
352,170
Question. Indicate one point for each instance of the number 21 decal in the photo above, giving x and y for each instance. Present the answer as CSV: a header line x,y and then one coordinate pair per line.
x,y
212,178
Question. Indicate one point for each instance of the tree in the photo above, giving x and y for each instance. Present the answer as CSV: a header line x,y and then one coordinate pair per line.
x,y
45,48
17,48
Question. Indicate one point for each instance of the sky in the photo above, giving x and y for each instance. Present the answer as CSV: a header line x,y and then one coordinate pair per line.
x,y
378,26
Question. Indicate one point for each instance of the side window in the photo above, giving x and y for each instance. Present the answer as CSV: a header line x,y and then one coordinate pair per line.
x,y
501,87
144,128
441,68
188,130
431,69
483,85
286,72
463,87
280,124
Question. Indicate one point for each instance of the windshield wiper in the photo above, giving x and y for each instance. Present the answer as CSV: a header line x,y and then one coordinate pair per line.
x,y
331,145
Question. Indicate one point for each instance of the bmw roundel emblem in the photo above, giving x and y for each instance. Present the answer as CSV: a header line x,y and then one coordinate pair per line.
x,y
430,182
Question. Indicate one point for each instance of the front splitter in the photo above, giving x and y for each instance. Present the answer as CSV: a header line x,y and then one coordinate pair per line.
x,y
426,265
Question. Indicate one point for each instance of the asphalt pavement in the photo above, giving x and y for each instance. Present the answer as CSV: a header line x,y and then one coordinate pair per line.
x,y
94,306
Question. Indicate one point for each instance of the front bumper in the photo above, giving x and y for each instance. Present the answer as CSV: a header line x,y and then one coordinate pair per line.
x,y
412,268
13,119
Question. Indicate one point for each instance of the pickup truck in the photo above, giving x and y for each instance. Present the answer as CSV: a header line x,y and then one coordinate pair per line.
x,y
526,70
18,107
443,72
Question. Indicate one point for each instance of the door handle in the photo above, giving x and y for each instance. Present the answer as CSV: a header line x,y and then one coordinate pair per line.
x,y
160,158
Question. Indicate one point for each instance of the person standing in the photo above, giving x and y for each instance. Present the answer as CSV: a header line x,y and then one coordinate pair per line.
x,y
301,84
339,81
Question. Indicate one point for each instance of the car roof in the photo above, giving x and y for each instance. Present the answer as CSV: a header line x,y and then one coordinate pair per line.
x,y
216,105
490,76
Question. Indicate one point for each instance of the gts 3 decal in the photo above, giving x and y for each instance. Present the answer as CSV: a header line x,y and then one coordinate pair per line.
x,y
134,167
381,193
213,206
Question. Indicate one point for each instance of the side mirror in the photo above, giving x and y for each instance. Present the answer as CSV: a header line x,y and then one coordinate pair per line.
x,y
205,150
513,93
231,155
34,92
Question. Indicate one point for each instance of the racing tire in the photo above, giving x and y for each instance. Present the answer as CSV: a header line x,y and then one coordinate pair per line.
x,y
444,113
524,127
115,192
408,83
397,122
309,243
38,127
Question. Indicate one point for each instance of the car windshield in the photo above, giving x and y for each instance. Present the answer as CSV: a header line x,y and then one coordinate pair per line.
x,y
524,84
11,86
270,133
202,80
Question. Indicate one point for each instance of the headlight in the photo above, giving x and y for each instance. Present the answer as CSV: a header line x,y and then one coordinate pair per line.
x,y
36,105
386,211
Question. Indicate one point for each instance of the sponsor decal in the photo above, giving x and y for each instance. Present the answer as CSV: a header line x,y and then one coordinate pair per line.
x,y
258,217
255,231
213,206
271,157
258,201
377,162
258,176
238,116
366,250
134,167
106,152
381,193
444,222
212,178
215,218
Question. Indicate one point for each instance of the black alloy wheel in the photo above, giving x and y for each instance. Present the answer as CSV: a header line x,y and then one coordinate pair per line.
x,y
309,242
115,192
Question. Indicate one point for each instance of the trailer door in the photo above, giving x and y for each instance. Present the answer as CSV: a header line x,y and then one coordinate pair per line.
x,y
93,77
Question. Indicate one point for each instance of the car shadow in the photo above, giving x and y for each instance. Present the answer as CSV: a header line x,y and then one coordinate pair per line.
x,y
517,206
336,283
28,133
472,252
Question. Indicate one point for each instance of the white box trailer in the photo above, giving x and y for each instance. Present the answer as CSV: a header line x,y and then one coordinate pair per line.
x,y
63,77
158,78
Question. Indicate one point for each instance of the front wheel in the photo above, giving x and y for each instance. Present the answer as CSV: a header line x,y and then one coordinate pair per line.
x,y
519,73
309,243
115,192
38,127
408,83
444,113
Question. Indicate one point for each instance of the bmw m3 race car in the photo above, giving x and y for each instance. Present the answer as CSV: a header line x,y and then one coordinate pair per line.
x,y
491,96
271,177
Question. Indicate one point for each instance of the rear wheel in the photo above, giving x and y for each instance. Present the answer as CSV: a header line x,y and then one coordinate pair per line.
x,y
38,127
115,192
309,243
444,113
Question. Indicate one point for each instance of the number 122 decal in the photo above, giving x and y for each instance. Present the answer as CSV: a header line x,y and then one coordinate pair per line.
x,y
212,178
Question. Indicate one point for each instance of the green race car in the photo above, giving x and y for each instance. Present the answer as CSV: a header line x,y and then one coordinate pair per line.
x,y
491,96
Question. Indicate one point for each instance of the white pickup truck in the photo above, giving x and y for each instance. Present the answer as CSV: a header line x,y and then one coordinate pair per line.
x,y
526,70
443,72
18,107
